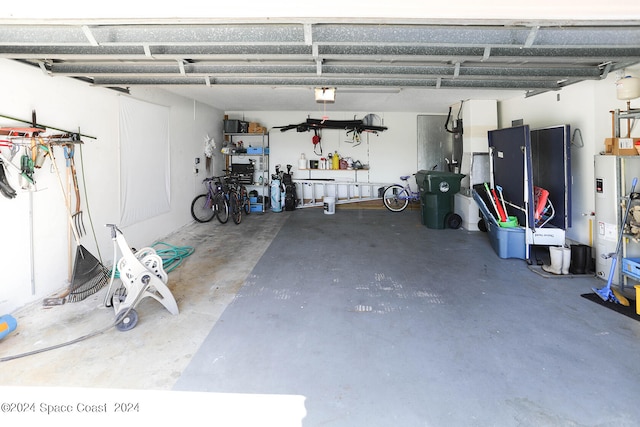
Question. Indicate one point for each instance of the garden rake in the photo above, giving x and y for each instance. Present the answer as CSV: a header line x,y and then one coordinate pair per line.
x,y
89,274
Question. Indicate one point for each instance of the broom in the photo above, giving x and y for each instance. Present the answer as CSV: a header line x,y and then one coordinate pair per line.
x,y
607,293
89,275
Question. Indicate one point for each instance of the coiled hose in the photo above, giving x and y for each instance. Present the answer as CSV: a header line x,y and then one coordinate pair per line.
x,y
172,256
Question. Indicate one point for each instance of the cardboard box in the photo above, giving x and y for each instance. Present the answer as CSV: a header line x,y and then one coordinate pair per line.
x,y
255,127
620,146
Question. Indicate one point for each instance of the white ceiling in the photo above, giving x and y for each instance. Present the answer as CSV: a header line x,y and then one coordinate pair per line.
x,y
241,98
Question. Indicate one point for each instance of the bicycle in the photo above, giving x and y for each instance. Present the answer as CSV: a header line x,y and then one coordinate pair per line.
x,y
233,196
243,193
245,202
396,197
213,203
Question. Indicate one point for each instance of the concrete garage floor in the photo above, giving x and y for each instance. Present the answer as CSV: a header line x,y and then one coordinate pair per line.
x,y
203,286
364,317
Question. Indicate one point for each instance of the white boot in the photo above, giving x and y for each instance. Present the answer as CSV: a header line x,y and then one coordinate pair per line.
x,y
566,260
555,253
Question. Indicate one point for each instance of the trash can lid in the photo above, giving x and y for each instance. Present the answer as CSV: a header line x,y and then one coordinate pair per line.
x,y
438,181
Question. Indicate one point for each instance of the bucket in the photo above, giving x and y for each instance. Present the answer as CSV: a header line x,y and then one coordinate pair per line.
x,y
637,299
628,88
511,222
329,205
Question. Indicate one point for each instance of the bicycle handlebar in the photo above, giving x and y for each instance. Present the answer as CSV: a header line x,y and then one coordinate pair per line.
x,y
214,178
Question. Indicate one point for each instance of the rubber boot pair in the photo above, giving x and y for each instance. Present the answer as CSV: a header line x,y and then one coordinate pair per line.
x,y
560,260
580,259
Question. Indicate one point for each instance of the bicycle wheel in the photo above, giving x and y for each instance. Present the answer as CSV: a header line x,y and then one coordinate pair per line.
x,y
222,208
246,203
202,208
395,198
235,207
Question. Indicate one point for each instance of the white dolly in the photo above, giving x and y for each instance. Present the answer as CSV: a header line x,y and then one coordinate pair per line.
x,y
142,275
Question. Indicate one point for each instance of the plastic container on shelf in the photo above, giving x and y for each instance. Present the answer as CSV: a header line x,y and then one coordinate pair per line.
x,y
335,161
302,162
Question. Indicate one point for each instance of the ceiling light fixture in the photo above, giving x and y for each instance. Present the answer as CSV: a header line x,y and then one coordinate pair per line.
x,y
325,94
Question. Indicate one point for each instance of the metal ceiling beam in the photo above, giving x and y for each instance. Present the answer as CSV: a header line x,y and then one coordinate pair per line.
x,y
271,52
305,34
533,56
163,67
345,81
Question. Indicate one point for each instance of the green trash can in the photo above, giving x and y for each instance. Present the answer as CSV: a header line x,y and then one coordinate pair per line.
x,y
437,198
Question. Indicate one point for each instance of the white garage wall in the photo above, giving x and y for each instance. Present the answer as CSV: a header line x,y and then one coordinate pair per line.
x,y
585,106
390,153
72,105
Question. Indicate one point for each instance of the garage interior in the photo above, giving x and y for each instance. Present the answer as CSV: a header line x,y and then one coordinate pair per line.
x,y
305,318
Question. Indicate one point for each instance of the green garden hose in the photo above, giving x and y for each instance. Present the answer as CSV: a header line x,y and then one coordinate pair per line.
x,y
172,256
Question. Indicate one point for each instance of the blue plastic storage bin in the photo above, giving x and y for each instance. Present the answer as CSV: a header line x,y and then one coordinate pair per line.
x,y
506,242
631,267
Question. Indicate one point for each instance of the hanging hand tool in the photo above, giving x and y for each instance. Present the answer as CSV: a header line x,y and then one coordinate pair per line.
x,y
317,146
89,275
77,215
26,174
5,188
